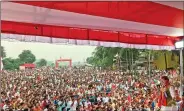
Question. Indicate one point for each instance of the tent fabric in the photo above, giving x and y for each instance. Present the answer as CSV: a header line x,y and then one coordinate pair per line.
x,y
87,34
144,12
28,65
111,24
41,39
45,16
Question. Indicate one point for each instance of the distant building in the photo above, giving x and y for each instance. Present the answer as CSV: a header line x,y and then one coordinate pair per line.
x,y
27,66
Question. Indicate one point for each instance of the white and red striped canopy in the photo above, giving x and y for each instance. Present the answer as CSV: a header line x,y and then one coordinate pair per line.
x,y
148,25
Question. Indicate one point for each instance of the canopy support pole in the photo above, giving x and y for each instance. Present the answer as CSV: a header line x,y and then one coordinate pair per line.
x,y
165,56
132,60
149,66
181,72
127,59
0,77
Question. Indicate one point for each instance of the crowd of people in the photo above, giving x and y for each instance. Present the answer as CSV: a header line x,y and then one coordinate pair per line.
x,y
48,89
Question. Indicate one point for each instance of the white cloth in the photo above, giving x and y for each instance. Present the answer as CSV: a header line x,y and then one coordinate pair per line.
x,y
178,104
171,89
5,107
45,110
87,103
98,99
1,64
69,103
73,108
105,99
17,94
171,108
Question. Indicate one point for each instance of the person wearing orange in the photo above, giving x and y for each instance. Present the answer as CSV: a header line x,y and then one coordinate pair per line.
x,y
37,107
166,100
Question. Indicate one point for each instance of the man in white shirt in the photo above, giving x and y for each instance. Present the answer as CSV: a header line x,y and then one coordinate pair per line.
x,y
99,98
87,103
69,103
74,105
106,99
6,107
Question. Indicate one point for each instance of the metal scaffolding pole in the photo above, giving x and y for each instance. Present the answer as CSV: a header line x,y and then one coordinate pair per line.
x,y
181,71
132,60
127,58
165,56
149,66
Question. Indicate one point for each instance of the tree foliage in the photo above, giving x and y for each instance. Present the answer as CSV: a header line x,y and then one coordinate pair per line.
x,y
103,56
27,56
41,63
11,64
3,52
52,64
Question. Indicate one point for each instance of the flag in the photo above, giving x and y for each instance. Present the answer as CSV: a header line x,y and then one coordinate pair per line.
x,y
1,64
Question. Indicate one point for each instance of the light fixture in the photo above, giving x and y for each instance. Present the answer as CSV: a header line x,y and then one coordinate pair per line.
x,y
179,44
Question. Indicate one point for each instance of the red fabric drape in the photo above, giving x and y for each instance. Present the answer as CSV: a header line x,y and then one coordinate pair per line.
x,y
85,34
143,12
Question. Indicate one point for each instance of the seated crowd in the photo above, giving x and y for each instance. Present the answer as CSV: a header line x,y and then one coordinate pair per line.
x,y
48,89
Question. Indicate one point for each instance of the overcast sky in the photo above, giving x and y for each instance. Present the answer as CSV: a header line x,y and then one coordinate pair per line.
x,y
50,52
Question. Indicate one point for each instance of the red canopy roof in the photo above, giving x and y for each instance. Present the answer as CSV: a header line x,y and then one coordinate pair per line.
x,y
151,25
29,65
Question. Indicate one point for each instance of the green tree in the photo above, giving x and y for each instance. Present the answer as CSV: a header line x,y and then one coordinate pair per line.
x,y
11,64
17,63
103,56
41,63
154,54
129,56
52,65
27,56
3,53
90,60
7,63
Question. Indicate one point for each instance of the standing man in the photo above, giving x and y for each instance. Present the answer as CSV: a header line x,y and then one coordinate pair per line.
x,y
166,100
